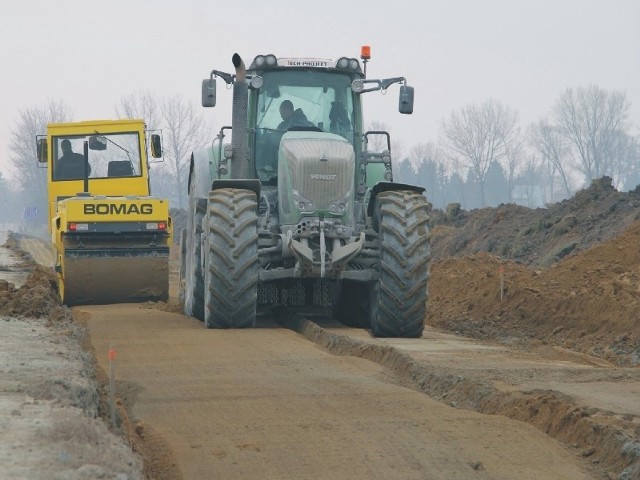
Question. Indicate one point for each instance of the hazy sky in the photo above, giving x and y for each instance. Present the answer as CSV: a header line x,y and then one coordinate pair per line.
x,y
524,53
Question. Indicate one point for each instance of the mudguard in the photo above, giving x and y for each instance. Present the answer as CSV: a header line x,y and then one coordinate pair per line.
x,y
389,187
251,184
200,165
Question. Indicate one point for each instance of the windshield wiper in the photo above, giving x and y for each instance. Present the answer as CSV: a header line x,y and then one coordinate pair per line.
x,y
119,146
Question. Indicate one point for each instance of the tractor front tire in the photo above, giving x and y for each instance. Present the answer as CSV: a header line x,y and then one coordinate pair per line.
x,y
399,297
231,270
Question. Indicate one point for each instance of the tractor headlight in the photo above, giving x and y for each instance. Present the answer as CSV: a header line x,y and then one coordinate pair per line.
x,y
256,82
339,206
227,153
345,63
262,61
357,86
304,205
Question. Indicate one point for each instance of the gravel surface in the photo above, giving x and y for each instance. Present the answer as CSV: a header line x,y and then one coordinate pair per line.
x,y
50,425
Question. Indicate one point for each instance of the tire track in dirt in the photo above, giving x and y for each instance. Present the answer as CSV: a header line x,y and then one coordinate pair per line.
x,y
607,439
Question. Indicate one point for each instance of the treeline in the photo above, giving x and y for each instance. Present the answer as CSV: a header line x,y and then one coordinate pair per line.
x,y
484,158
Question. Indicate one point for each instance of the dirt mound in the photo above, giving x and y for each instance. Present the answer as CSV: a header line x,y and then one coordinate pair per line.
x,y
539,237
37,298
587,299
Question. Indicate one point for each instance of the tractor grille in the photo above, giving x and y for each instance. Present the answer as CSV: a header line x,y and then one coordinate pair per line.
x,y
320,169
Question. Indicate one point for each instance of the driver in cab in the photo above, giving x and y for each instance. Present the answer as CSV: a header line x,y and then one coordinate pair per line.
x,y
291,117
70,166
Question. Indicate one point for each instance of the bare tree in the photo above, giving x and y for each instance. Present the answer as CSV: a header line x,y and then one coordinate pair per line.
x,y
514,153
31,179
140,105
625,153
377,143
551,144
427,157
425,151
186,131
590,118
397,151
442,179
8,199
143,105
480,134
403,171
530,180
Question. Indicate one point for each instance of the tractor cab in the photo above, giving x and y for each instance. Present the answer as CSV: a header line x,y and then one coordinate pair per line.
x,y
304,95
299,100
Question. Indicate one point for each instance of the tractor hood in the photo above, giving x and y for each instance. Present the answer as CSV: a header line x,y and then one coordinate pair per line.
x,y
315,172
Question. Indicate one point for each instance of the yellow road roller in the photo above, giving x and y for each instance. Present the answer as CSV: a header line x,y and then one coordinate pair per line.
x,y
111,236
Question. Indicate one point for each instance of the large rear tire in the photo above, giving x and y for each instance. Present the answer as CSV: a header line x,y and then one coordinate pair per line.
x,y
399,297
231,272
194,274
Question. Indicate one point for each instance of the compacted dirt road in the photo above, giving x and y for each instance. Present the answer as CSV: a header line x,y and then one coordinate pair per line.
x,y
269,403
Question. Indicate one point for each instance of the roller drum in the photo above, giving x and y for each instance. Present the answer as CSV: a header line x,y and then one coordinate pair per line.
x,y
99,278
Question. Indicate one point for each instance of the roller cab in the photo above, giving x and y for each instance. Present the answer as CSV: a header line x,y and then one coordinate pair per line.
x,y
111,236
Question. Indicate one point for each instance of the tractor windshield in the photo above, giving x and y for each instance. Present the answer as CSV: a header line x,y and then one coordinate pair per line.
x,y
306,98
110,155
300,100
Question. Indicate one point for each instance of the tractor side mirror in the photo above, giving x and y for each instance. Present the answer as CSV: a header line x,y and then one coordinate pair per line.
x,y
406,99
43,150
209,92
156,146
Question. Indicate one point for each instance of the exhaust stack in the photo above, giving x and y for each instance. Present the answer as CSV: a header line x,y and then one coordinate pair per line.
x,y
240,167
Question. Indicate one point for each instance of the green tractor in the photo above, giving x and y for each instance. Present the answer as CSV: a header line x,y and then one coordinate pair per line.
x,y
298,210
